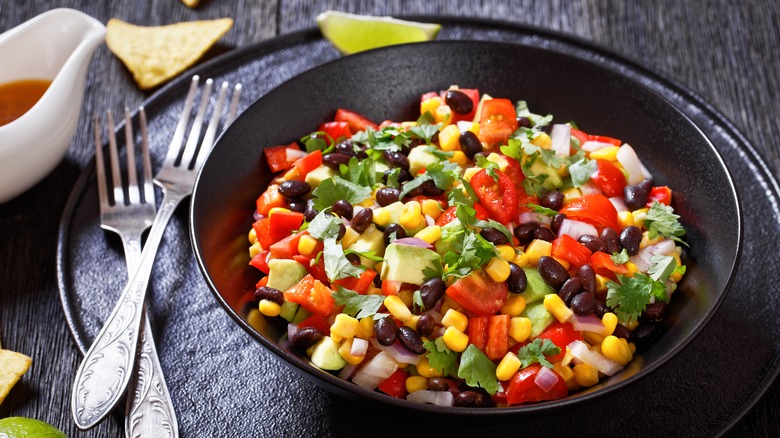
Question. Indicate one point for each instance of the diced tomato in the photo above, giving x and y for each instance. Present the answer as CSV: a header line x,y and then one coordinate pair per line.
x,y
287,247
566,248
395,385
498,197
269,199
594,209
261,230
579,135
560,334
277,157
497,122
268,232
498,337
308,163
603,265
316,270
391,287
605,139
263,281
523,388
285,221
312,295
472,94
337,131
609,178
449,214
260,261
479,294
317,321
478,331
662,194
515,173
356,121
358,284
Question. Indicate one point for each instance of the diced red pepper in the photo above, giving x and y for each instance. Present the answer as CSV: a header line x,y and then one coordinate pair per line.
x,y
304,165
356,121
285,222
478,331
560,334
316,270
358,284
395,385
312,295
286,248
605,139
603,265
269,199
261,230
566,248
391,287
260,261
263,281
579,135
337,131
277,157
662,194
498,337
317,321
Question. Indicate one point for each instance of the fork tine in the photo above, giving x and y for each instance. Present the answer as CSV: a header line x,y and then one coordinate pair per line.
x,y
148,188
116,176
178,136
133,192
211,130
234,104
192,141
100,168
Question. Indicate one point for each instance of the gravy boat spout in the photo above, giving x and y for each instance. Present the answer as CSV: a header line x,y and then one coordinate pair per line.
x,y
56,46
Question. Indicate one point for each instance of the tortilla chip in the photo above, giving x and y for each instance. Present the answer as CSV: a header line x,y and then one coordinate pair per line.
x,y
157,54
12,366
191,3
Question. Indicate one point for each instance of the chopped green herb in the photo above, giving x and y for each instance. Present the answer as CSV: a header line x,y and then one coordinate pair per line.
x,y
542,210
581,171
392,178
630,295
661,220
477,370
336,264
316,141
489,166
440,357
334,189
324,225
424,131
662,267
620,258
360,172
357,305
536,351
438,153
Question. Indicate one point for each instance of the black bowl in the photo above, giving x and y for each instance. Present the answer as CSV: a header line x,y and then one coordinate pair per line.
x,y
387,84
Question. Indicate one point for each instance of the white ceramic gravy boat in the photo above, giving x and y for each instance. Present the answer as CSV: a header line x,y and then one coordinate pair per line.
x,y
57,46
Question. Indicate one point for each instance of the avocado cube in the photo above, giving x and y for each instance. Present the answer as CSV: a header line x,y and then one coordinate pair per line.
x,y
536,288
318,175
371,240
406,263
420,158
540,318
284,274
325,355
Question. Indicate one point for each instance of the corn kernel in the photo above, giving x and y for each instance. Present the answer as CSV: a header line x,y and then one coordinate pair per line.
x,y
498,159
277,210
632,347
506,252
498,269
411,215
449,138
366,203
536,249
568,375
453,318
306,244
269,308
430,105
407,296
676,275
610,321
431,207
425,369
608,153
570,195
365,329
632,324
593,338
255,249
449,303
508,367
459,158
412,322
601,283
514,305
416,383
381,217
252,236
344,326
397,308
615,350
632,269
521,259
429,234
469,126
443,115
373,290
542,140
555,305
350,237
625,219
408,124
345,351
647,241
470,172
565,263
520,328
585,375
455,339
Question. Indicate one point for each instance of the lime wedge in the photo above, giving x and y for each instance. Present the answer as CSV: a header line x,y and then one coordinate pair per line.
x,y
354,33
21,427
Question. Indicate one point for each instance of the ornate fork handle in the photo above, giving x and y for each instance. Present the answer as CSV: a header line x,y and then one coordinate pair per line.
x,y
107,367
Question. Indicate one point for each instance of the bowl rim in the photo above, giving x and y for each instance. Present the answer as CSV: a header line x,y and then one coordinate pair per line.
x,y
346,388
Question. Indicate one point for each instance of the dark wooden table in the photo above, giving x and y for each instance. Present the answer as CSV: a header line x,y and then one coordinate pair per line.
x,y
726,52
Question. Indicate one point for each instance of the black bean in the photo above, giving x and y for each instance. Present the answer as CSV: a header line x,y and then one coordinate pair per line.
x,y
387,195
411,340
429,189
544,233
552,272
403,175
471,399
270,294
655,311
385,330
343,209
645,334
310,212
555,225
377,281
353,258
431,292
646,185
342,231
583,303
610,239
552,199
621,331
517,280
470,144
523,122
397,159
297,205
293,188
438,384
434,140
635,196
417,191
593,243
601,308
570,288
426,324
306,337
362,219
494,236
399,231
630,238
458,102
525,232
587,277
347,147
335,160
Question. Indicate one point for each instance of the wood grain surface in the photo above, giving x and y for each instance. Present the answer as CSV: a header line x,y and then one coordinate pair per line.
x,y
724,51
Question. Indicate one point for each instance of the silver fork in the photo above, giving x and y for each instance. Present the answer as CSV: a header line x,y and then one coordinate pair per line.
x,y
149,403
106,365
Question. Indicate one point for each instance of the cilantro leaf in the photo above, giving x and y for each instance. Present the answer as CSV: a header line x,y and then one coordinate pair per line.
x,y
336,264
513,148
316,141
522,111
335,189
370,255
424,131
324,225
581,171
356,305
468,216
427,117
662,267
631,295
535,352
620,258
417,300
360,172
413,184
438,153
477,370
443,174
489,166
542,210
392,178
440,357
661,220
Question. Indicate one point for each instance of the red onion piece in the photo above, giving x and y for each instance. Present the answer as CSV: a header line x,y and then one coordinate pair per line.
x,y
347,372
292,329
590,146
643,258
546,379
560,137
617,202
589,189
575,229
429,220
294,154
587,323
397,352
530,216
580,350
413,241
359,347
375,371
438,398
